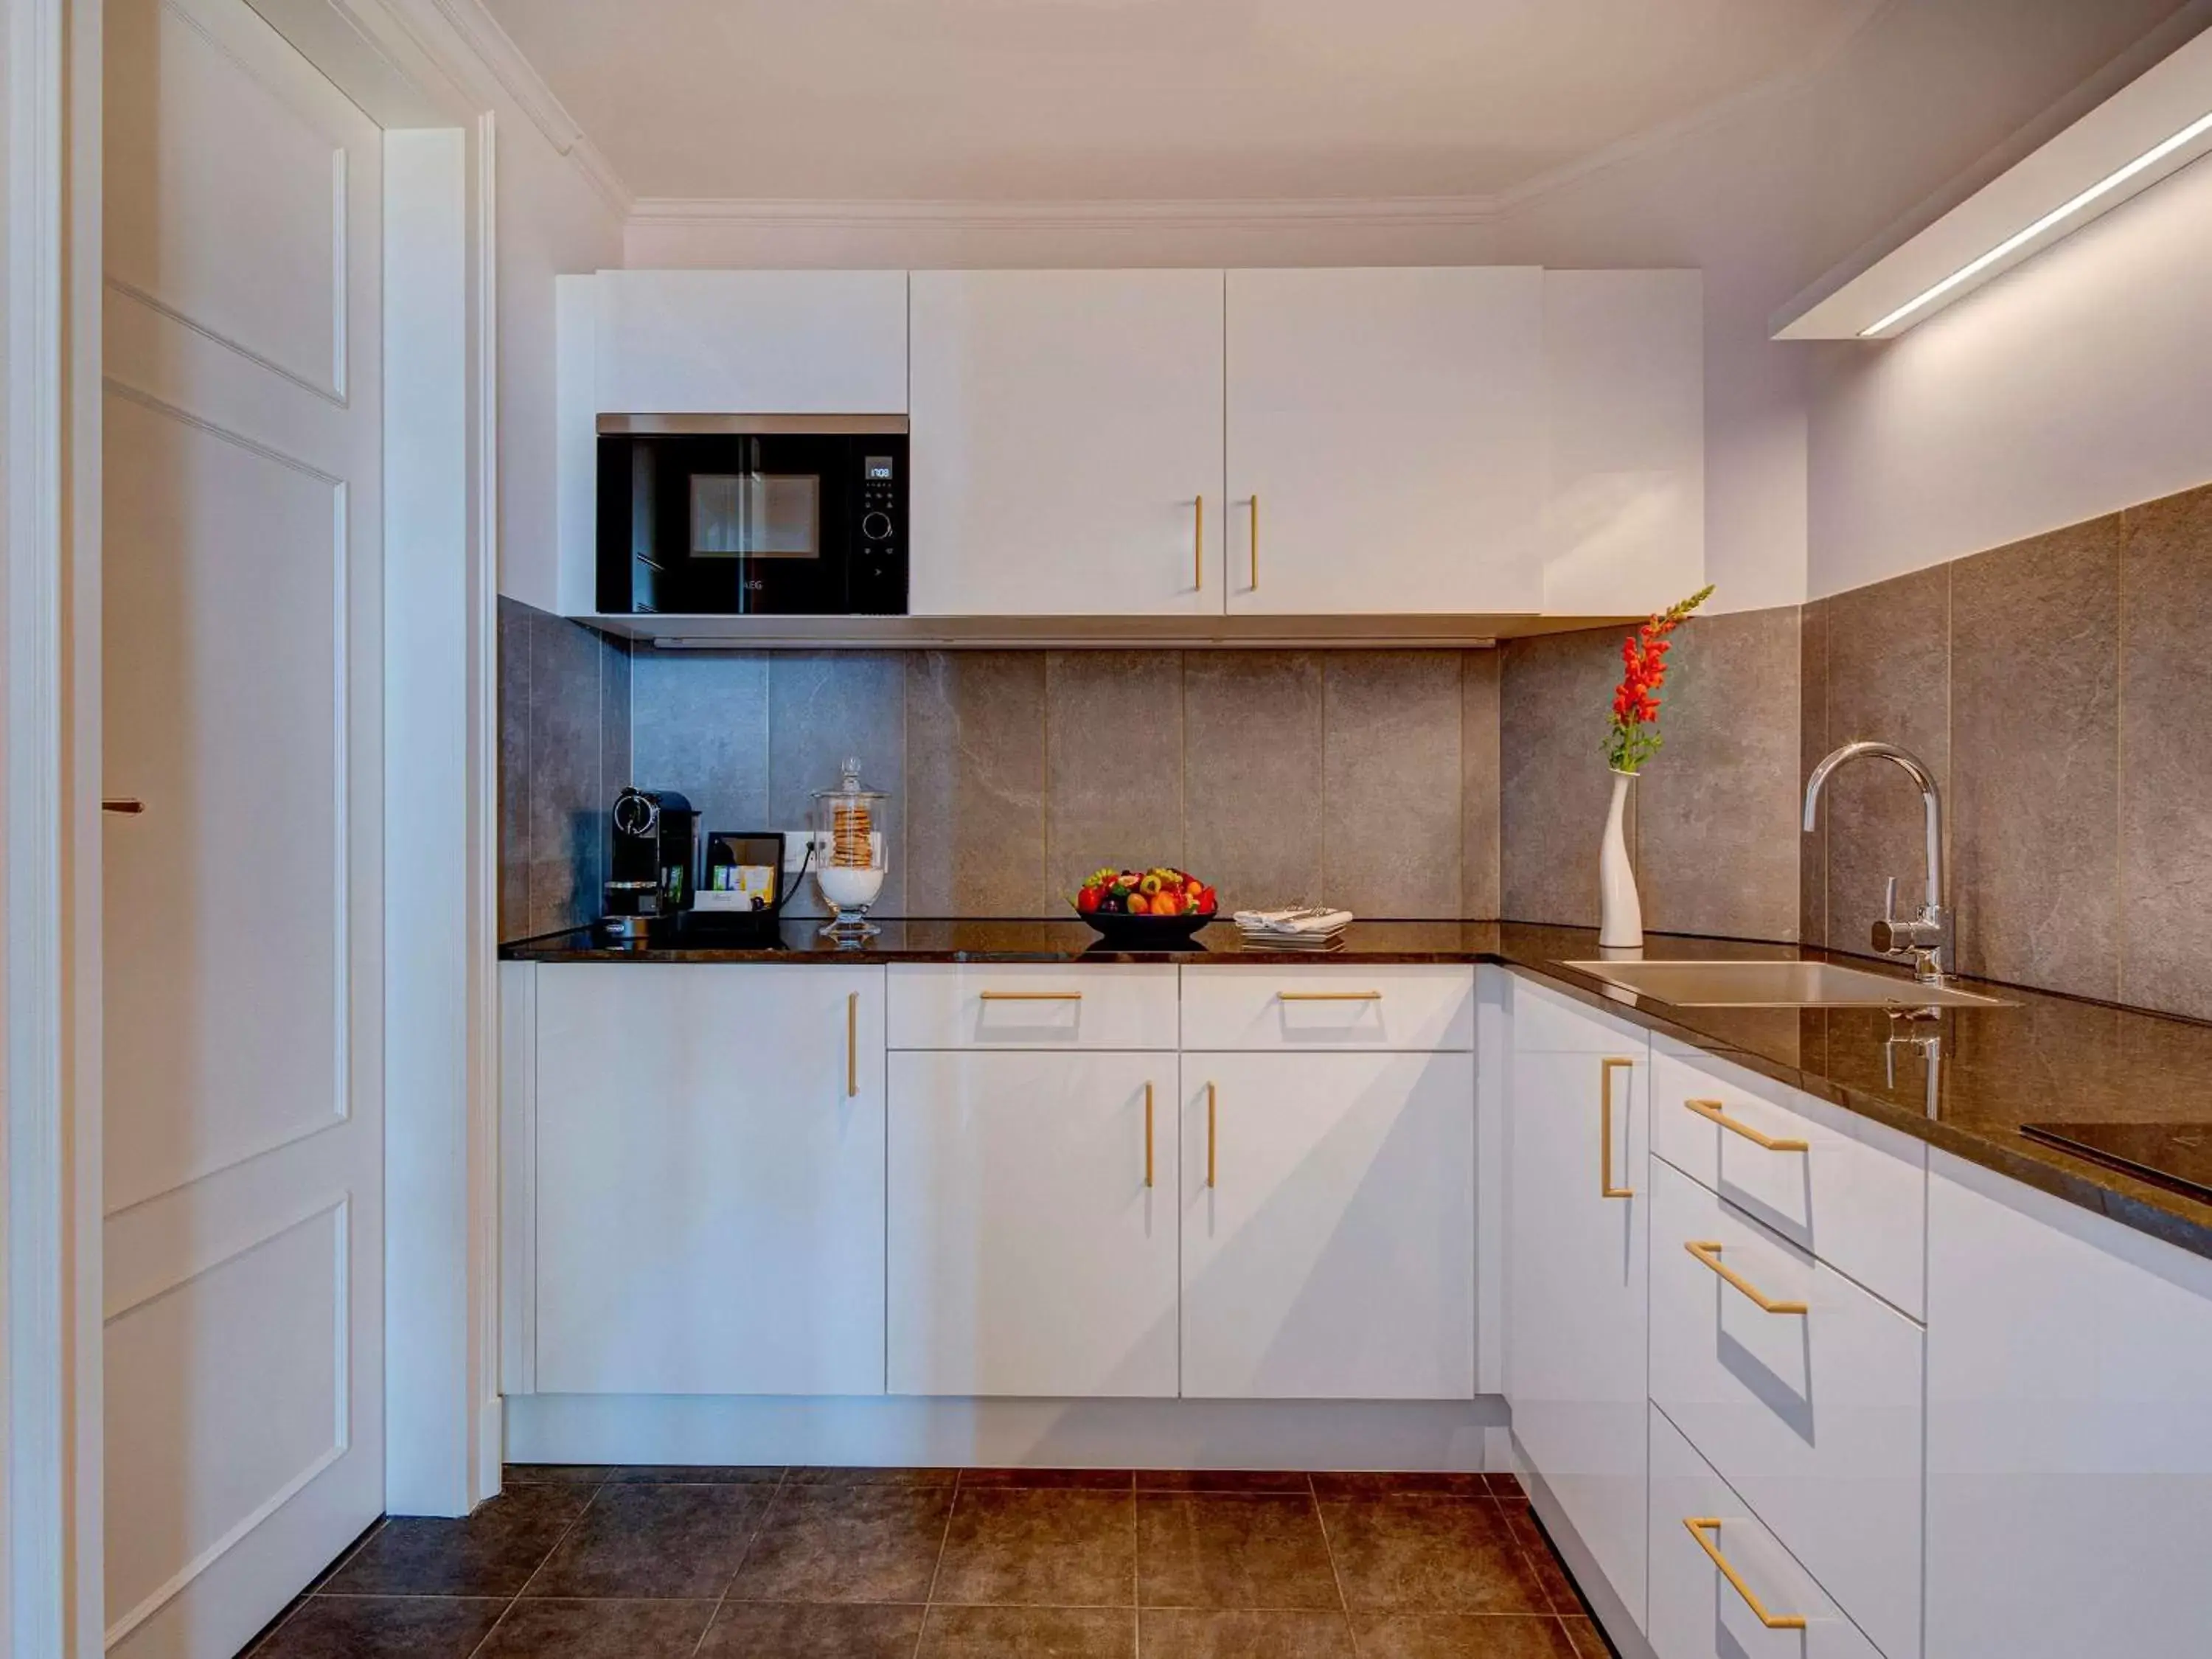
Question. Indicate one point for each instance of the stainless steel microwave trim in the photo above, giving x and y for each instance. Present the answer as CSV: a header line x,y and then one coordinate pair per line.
x,y
796,426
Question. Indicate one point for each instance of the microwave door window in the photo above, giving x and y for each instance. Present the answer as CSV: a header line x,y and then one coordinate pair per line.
x,y
756,515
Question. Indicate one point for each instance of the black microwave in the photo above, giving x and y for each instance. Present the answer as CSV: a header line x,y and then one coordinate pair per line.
x,y
777,515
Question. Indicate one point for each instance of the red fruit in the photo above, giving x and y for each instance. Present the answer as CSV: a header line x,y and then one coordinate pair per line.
x,y
1087,900
1207,902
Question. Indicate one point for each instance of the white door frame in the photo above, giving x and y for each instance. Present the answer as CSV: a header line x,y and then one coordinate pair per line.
x,y
442,1402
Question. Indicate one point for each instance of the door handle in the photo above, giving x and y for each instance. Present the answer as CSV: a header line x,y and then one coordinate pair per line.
x,y
851,1044
1212,1138
1256,543
129,805
1198,546
1605,1187
1328,996
1713,1112
1029,996
1148,1135
1702,1525
1708,1251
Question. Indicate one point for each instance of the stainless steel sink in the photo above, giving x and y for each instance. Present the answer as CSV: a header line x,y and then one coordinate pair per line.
x,y
1776,985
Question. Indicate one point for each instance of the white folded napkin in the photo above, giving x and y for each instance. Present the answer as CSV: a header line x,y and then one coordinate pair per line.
x,y
1302,919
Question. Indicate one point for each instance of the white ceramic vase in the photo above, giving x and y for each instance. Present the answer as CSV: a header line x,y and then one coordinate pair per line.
x,y
1620,913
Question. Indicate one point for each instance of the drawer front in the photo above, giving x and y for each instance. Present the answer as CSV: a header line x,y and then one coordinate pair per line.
x,y
1698,1610
1031,1005
1853,1193
1411,1008
1547,1022
1811,1409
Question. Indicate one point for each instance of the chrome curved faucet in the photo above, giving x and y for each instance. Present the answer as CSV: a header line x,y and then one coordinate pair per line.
x,y
1924,937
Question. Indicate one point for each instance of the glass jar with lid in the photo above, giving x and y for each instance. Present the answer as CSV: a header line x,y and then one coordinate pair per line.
x,y
849,859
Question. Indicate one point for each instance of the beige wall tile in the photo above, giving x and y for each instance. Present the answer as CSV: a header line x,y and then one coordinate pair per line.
x,y
1392,781
2035,759
2165,714
1552,783
822,708
1812,744
975,784
1888,678
1113,748
1716,825
1252,774
1479,676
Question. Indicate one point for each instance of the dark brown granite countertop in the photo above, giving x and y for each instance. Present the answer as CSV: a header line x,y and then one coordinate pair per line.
x,y
2040,1059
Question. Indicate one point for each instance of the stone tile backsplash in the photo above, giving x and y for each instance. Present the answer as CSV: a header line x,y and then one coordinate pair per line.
x,y
2059,688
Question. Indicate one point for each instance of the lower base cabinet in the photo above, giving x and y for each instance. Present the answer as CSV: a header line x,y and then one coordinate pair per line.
x,y
1722,1587
1032,1245
1329,1226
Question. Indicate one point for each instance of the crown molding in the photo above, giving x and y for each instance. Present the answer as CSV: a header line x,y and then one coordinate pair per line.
x,y
1070,215
488,57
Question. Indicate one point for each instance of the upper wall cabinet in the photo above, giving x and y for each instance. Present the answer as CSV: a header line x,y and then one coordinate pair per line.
x,y
1386,448
1067,443
1624,429
750,342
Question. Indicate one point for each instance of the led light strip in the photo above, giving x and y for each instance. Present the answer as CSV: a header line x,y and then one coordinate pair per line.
x,y
2014,243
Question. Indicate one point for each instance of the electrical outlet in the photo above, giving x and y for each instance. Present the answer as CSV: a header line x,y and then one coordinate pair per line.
x,y
795,843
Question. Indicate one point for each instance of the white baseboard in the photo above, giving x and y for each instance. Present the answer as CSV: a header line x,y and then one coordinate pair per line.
x,y
908,1432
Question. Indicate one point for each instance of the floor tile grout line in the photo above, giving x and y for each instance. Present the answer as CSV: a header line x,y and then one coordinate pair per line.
x,y
936,1567
744,1555
493,1628
315,1588
1328,1548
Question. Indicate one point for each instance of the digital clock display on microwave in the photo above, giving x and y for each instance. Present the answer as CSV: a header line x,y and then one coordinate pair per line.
x,y
876,469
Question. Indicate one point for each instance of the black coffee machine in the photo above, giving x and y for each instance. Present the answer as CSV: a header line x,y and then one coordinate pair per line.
x,y
649,878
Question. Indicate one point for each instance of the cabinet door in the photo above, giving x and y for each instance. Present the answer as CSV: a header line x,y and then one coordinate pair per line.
x,y
2069,1429
751,341
1067,425
710,1179
1391,425
1329,1226
1033,1224
1576,1251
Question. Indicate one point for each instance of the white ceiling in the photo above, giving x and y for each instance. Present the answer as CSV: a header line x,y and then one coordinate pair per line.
x,y
1139,99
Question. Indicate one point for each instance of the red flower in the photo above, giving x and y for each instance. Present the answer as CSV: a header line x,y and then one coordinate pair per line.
x,y
1644,671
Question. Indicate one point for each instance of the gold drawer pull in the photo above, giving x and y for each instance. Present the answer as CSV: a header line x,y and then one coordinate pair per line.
x,y
1255,542
129,805
1198,546
1328,996
1713,1112
1213,1136
851,1044
1030,996
1148,1135
1702,1525
1605,1187
1708,1250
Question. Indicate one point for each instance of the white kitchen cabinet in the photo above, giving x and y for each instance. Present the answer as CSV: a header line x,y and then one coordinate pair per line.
x,y
2069,1429
1807,1404
1698,1611
1328,1225
1578,1222
1033,1224
1409,1005
710,1190
1624,426
1067,443
1390,425
750,342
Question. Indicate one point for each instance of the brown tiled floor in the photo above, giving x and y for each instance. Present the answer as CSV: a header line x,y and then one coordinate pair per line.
x,y
594,1563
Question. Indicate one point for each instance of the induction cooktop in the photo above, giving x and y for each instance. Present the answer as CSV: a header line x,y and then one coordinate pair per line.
x,y
2177,1155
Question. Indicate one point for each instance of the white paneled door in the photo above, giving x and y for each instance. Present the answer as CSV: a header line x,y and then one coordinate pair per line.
x,y
242,644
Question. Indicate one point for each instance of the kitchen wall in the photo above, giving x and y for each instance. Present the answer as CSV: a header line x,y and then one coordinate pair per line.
x,y
2059,688
1368,778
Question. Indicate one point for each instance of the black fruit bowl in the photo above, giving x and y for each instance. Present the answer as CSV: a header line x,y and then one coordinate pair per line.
x,y
1145,933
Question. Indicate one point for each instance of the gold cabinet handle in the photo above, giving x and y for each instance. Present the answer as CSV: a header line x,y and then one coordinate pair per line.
x,y
1605,1187
1255,544
1328,996
1029,996
128,805
1713,1112
851,1045
1198,546
1699,1527
1708,1250
1148,1135
1212,1137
